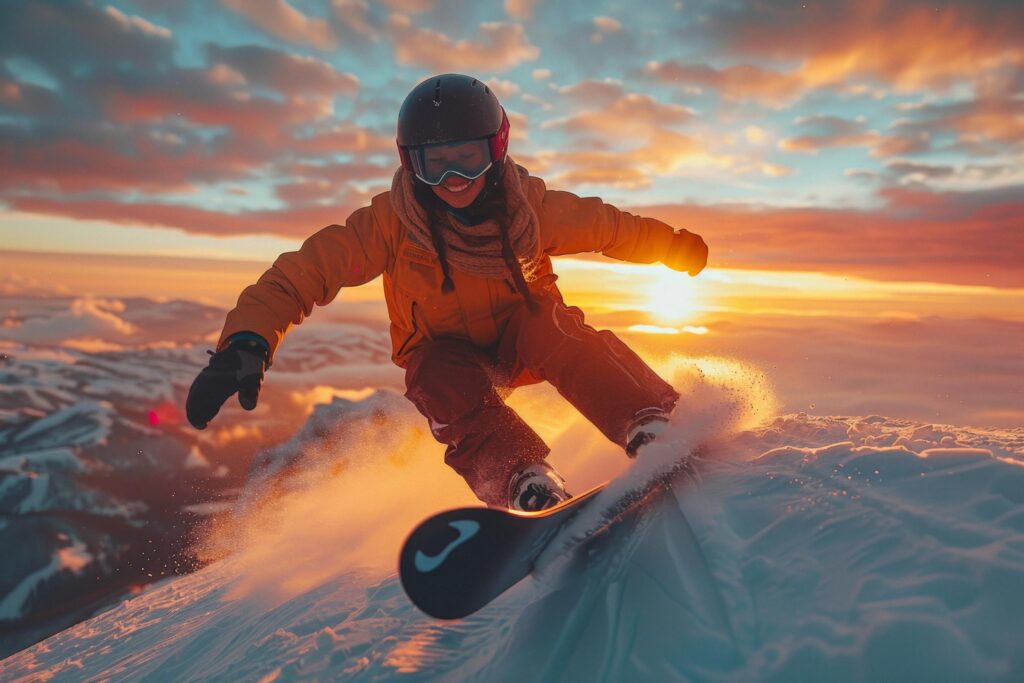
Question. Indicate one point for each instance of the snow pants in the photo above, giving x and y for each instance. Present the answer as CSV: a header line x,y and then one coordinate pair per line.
x,y
459,386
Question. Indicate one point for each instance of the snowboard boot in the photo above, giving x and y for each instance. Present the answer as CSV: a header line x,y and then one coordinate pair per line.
x,y
536,487
649,424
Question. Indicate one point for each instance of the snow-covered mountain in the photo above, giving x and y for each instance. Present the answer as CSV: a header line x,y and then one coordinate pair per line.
x,y
97,478
102,484
806,548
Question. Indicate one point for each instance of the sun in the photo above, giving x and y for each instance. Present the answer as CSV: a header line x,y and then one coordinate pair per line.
x,y
672,298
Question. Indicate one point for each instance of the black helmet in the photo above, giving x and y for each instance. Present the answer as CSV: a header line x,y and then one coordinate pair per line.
x,y
447,109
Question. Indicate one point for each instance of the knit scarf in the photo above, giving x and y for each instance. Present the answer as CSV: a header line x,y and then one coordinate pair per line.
x,y
476,249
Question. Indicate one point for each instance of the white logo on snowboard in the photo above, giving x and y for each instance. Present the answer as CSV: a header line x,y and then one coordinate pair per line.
x,y
467,529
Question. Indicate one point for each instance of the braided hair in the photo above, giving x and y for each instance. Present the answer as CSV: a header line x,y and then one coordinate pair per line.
x,y
490,204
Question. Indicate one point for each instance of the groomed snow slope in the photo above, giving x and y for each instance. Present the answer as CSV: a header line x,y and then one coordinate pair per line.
x,y
810,548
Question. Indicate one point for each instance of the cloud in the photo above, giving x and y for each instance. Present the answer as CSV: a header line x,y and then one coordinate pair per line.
x,y
292,222
966,177
634,168
316,183
93,323
851,47
521,9
505,90
86,35
518,126
911,170
279,19
834,131
614,121
354,20
305,192
16,284
740,82
92,319
409,6
159,156
908,45
91,158
918,235
594,92
284,72
983,126
133,23
201,98
829,131
541,74
602,169
497,46
631,114
26,98
607,24
343,138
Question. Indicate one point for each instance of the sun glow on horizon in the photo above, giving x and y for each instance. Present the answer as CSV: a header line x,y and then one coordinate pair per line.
x,y
672,298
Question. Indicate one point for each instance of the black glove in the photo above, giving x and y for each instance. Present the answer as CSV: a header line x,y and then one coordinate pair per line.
x,y
687,253
238,367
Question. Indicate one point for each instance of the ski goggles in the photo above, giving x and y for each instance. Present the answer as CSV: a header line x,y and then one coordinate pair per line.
x,y
468,159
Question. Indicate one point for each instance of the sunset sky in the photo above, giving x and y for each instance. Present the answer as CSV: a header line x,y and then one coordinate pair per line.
x,y
843,159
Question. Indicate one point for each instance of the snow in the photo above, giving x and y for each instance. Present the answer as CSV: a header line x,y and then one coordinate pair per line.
x,y
72,558
196,459
85,422
55,458
803,548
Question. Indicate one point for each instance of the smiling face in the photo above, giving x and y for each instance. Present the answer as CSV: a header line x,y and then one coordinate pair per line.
x,y
455,190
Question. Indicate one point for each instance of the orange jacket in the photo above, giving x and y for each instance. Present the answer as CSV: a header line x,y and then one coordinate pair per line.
x,y
373,242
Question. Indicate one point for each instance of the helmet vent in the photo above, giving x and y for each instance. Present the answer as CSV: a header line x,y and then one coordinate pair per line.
x,y
487,90
437,93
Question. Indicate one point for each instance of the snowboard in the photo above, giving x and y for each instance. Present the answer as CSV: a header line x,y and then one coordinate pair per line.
x,y
458,561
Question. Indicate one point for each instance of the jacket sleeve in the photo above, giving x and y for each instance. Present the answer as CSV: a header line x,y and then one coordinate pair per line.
x,y
335,257
572,225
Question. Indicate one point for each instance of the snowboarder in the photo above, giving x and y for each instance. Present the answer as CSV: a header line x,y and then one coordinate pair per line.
x,y
464,240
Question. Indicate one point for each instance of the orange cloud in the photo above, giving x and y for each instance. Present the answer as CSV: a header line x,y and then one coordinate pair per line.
x,y
409,6
607,24
315,183
284,72
299,222
954,237
592,92
251,117
135,23
498,46
612,173
27,98
503,89
345,137
520,9
630,115
279,19
91,162
962,238
910,46
619,119
991,124
633,168
741,82
834,131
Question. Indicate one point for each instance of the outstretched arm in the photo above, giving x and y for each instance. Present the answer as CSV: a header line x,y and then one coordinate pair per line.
x,y
574,225
335,257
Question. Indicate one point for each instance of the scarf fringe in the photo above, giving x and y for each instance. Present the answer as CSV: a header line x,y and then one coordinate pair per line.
x,y
476,249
